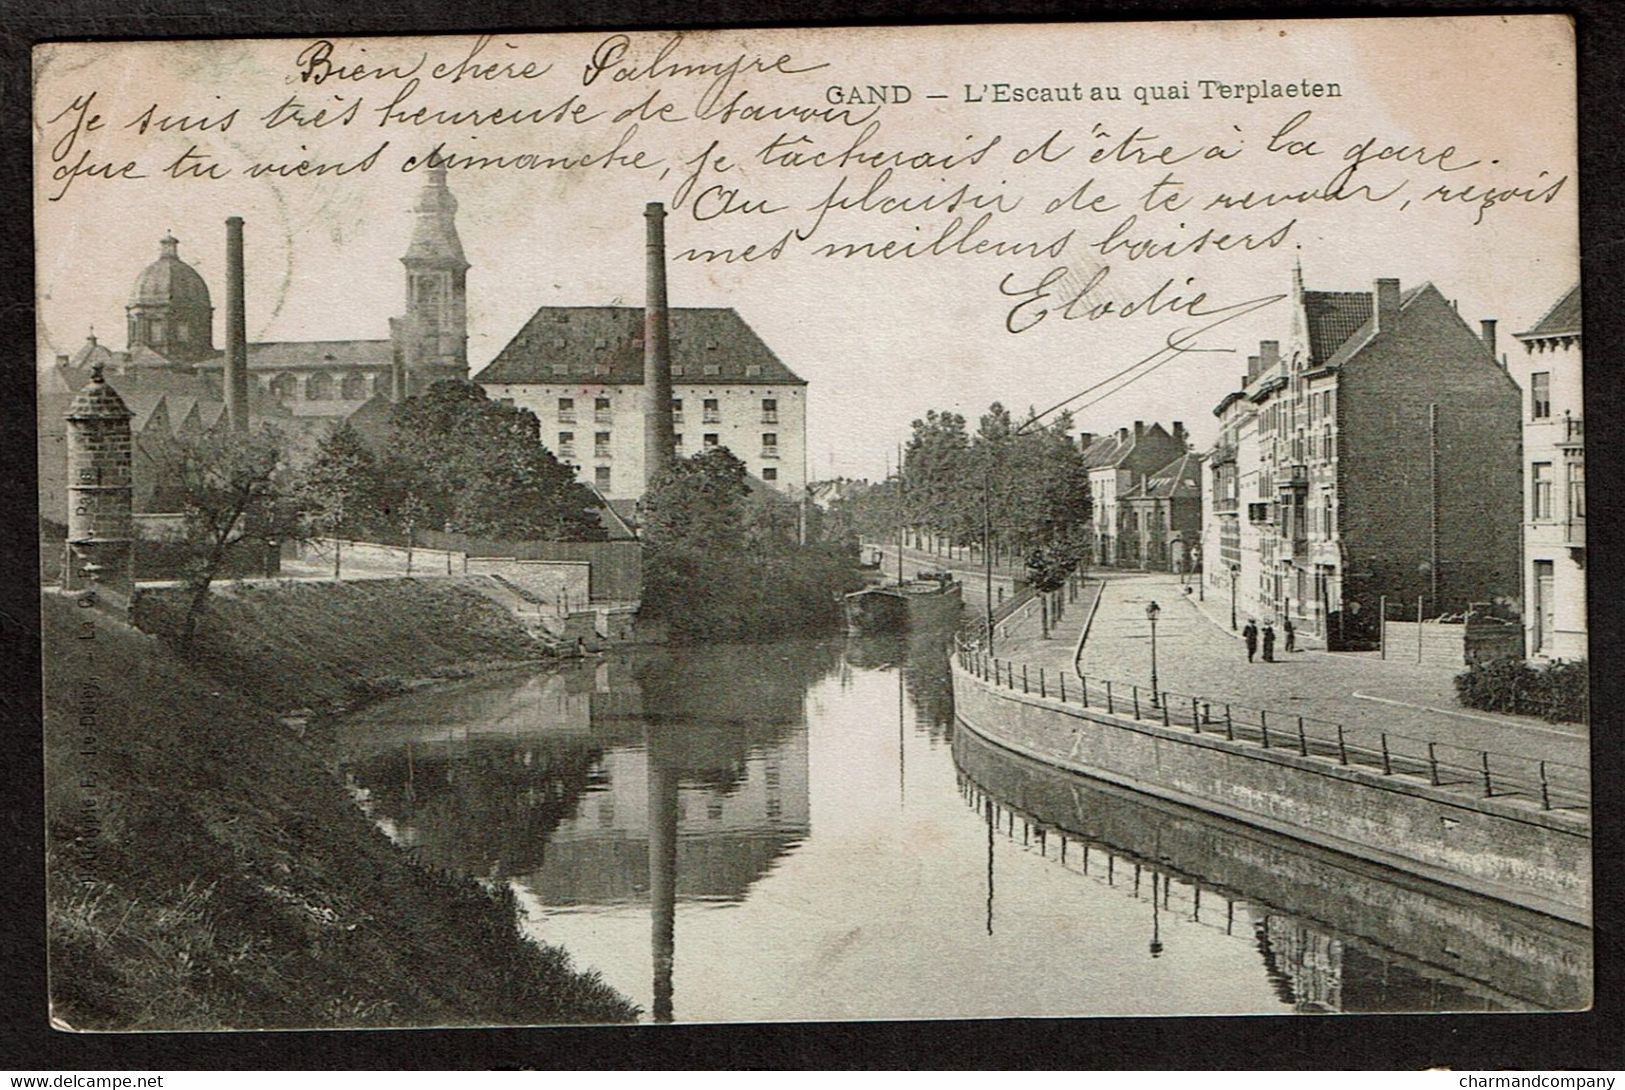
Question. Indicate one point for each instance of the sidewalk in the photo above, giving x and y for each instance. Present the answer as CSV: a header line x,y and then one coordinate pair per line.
x,y
1198,655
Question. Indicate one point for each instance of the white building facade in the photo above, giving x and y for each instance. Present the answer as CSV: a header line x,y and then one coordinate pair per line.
x,y
1554,511
580,370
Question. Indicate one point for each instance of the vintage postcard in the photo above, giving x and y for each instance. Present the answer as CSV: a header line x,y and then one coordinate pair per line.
x,y
781,525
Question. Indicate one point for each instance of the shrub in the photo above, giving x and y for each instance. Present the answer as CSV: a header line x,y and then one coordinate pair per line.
x,y
1556,692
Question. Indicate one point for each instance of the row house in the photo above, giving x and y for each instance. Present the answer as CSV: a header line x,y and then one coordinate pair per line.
x,y
1229,537
1162,518
1372,457
1554,509
1117,465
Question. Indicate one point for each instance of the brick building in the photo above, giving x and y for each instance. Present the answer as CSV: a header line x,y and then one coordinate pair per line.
x,y
1229,538
1117,464
1161,527
1554,510
581,371
1381,461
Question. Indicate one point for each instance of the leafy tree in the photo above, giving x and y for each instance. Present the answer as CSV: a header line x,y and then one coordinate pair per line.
x,y
934,463
722,564
228,487
699,502
461,461
340,490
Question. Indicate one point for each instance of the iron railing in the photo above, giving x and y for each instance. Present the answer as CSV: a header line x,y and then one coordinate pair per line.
x,y
1553,785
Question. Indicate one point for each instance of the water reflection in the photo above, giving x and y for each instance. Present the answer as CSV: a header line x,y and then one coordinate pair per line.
x,y
798,831
1356,937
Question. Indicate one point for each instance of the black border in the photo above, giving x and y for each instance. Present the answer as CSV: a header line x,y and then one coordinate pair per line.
x,y
1592,1039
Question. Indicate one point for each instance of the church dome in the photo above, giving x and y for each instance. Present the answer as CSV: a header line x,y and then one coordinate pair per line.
x,y
169,281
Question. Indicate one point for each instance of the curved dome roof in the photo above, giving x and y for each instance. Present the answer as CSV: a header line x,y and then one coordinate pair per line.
x,y
169,281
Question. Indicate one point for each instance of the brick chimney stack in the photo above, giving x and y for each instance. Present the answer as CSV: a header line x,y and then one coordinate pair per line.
x,y
236,376
1385,305
659,438
1179,432
1269,354
1487,326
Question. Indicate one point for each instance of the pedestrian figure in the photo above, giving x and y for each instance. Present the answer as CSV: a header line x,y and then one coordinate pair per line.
x,y
1269,642
1291,635
1249,635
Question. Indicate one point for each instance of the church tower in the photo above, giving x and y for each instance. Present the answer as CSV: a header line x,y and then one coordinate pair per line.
x,y
170,311
432,338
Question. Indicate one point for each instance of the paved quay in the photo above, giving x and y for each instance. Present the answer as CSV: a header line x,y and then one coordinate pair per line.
x,y
1198,655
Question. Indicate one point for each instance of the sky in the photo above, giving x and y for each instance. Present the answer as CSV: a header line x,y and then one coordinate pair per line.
x,y
879,341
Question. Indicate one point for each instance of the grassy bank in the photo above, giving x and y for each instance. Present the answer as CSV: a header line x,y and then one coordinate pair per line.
x,y
206,870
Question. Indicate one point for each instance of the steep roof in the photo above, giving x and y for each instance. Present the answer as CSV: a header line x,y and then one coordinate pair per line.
x,y
1113,450
1180,479
1563,320
1106,450
1363,334
605,345
1333,317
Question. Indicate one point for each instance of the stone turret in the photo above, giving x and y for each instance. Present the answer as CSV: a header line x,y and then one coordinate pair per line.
x,y
101,531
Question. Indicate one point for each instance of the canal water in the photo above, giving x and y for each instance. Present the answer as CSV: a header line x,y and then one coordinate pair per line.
x,y
800,830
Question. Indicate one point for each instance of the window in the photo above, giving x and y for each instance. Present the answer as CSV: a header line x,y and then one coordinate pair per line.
x,y
567,444
770,473
600,444
567,408
1540,395
770,444
319,387
770,410
1540,485
677,440
676,410
1577,490
713,414
710,439
1326,443
600,409
600,476
354,387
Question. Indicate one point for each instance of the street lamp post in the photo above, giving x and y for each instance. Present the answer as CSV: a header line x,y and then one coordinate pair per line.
x,y
1151,612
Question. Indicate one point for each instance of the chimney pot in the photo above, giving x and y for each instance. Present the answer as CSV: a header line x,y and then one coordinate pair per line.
x,y
1385,304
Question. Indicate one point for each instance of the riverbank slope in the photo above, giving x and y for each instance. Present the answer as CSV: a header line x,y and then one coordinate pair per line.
x,y
207,870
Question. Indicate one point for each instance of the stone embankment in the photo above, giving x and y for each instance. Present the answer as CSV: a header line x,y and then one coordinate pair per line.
x,y
1511,849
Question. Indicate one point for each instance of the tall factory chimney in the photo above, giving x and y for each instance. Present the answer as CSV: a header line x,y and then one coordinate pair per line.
x,y
659,439
236,377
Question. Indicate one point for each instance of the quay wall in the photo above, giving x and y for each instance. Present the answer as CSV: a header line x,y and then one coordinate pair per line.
x,y
1441,930
1540,860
